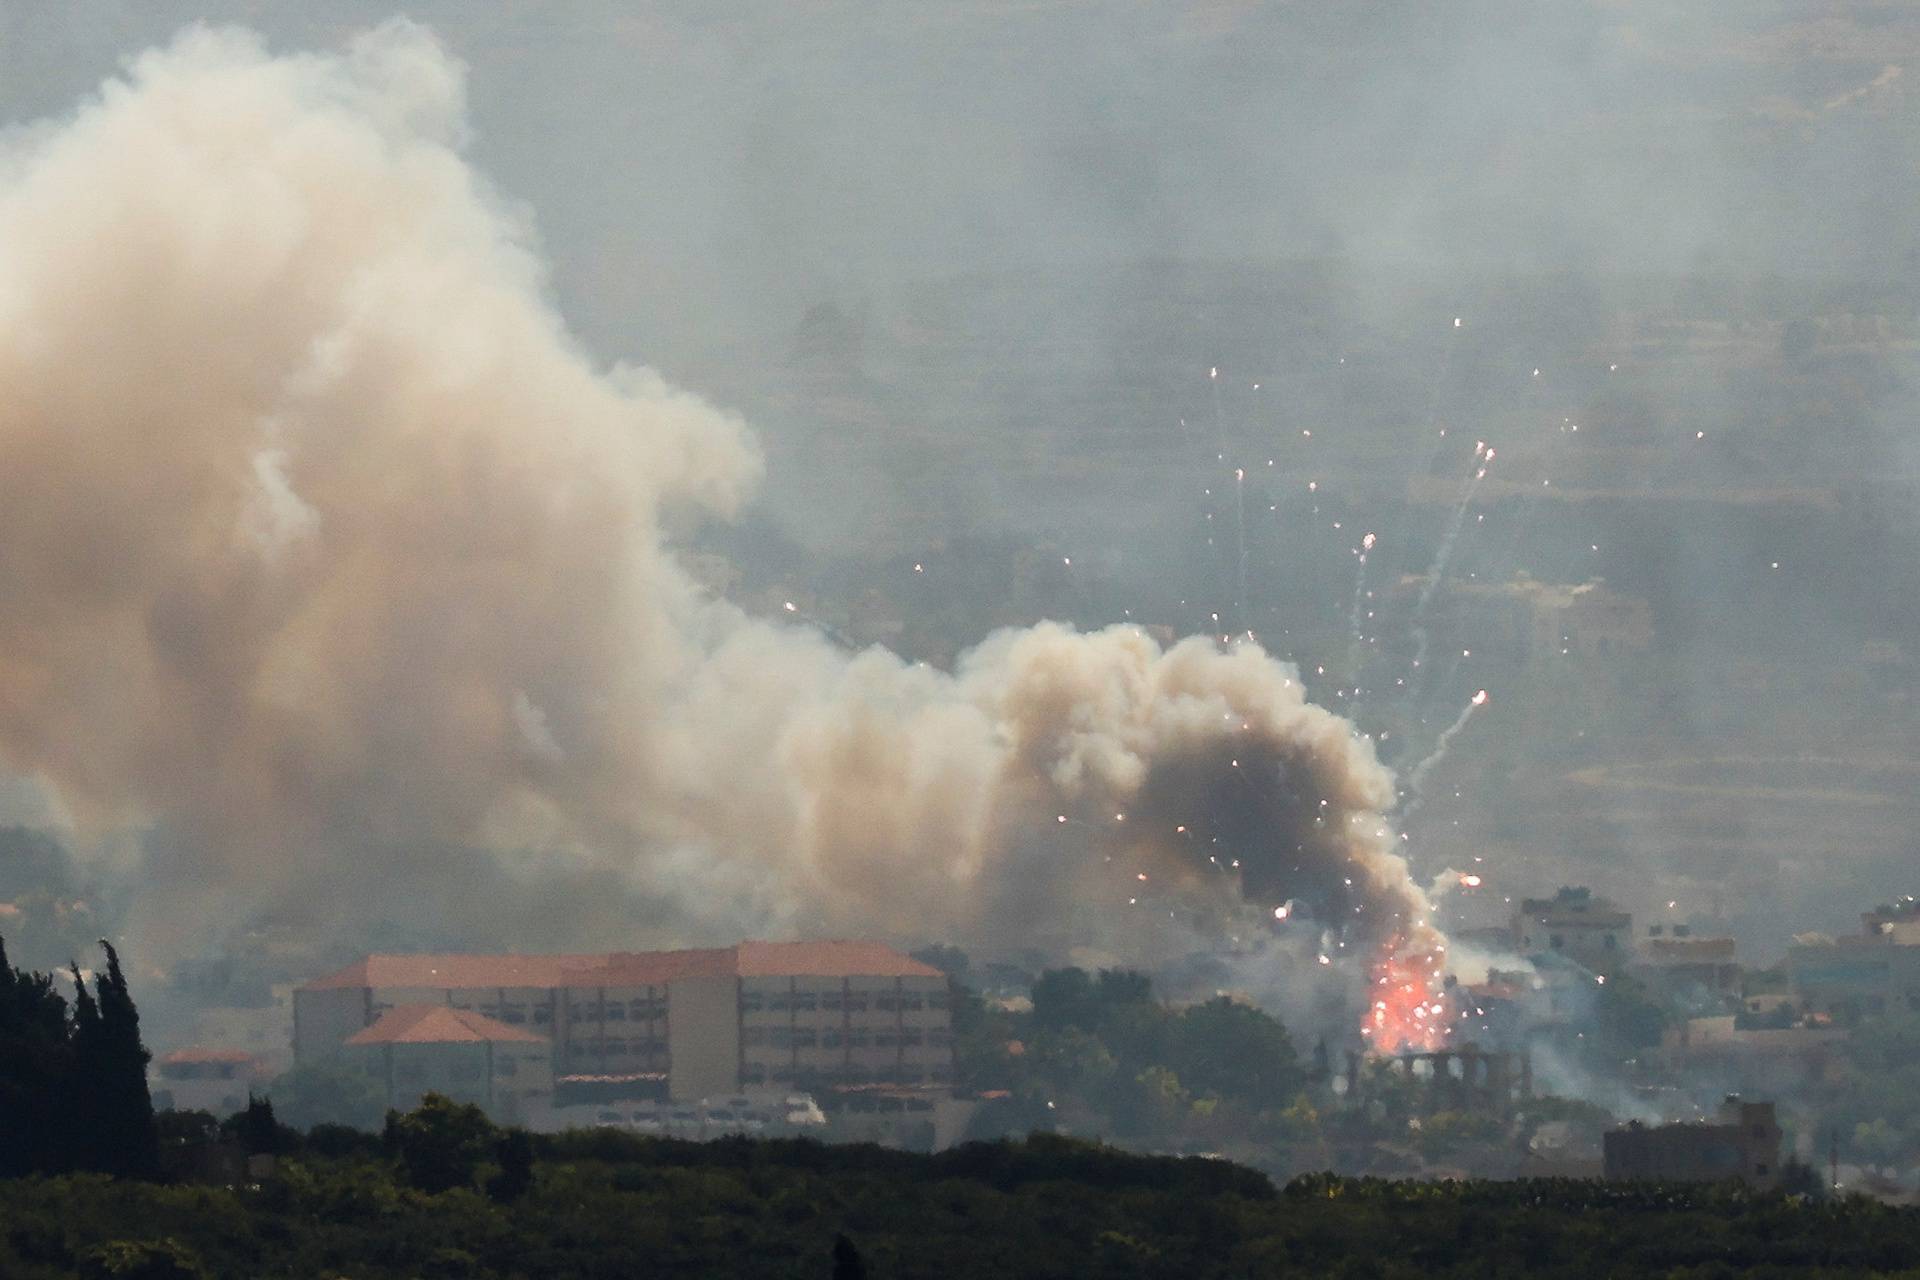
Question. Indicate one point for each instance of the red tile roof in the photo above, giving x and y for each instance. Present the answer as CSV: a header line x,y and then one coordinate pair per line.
x,y
827,960
628,968
439,1024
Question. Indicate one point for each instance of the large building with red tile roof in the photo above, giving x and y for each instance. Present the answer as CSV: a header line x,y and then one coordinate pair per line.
x,y
684,1024
415,1049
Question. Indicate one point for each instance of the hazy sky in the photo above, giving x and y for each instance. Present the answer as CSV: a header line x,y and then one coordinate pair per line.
x,y
699,176
701,170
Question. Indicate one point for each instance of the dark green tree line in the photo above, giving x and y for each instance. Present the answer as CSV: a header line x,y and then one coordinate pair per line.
x,y
73,1082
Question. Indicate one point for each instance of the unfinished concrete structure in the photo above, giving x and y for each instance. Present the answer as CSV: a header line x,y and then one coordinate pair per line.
x,y
1464,1079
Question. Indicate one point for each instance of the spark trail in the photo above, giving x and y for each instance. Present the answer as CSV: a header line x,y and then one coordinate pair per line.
x,y
1240,537
1417,780
1483,458
1357,640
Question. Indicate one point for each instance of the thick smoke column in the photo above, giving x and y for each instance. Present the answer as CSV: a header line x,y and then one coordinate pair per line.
x,y
329,557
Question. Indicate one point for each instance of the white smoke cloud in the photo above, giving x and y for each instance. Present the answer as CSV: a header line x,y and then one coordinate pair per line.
x,y
324,548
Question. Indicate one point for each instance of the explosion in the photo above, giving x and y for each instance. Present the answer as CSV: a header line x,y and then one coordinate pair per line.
x,y
340,578
1411,1009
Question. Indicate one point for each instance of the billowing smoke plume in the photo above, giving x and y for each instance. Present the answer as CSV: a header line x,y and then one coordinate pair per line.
x,y
329,562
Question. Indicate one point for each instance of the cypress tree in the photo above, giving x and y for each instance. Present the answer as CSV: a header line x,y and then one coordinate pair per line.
x,y
85,1103
36,1059
256,1128
131,1147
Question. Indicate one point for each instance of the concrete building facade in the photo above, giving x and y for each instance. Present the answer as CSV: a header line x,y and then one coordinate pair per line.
x,y
1873,975
1575,925
1677,962
1743,1142
684,1024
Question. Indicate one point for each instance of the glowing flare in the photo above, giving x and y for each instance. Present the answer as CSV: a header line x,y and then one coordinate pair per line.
x,y
1412,1009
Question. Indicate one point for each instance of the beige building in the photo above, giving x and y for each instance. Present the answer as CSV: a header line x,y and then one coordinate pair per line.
x,y
1876,974
416,1049
1672,958
1573,923
819,1016
1784,1059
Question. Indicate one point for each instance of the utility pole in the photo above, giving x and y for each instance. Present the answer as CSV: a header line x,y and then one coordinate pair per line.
x,y
1833,1158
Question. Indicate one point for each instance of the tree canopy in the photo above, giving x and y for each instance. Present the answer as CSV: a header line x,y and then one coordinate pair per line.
x,y
73,1080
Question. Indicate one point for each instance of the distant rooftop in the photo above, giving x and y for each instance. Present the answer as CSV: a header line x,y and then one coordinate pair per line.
x,y
832,959
1688,950
439,1024
1571,901
181,1056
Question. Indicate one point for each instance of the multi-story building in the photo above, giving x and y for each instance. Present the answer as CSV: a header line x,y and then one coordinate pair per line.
x,y
1575,925
1773,1059
818,1016
1897,922
1672,959
1874,974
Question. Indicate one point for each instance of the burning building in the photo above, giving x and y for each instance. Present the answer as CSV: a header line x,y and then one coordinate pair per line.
x,y
1466,1078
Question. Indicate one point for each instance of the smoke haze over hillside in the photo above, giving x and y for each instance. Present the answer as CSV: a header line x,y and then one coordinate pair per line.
x,y
361,453
334,566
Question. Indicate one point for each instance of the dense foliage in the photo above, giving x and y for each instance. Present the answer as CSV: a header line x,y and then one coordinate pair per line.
x,y
1099,1054
605,1204
73,1083
1868,1111
327,1092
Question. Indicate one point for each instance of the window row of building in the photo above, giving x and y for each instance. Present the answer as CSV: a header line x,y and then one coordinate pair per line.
x,y
839,1002
836,1038
641,1010
615,1048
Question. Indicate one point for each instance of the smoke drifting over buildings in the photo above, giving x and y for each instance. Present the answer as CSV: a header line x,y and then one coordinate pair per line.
x,y
336,572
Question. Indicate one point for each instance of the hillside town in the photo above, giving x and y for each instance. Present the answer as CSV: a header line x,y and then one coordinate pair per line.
x,y
1589,1046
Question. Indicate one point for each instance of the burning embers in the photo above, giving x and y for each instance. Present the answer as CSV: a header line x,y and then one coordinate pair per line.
x,y
1410,1009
